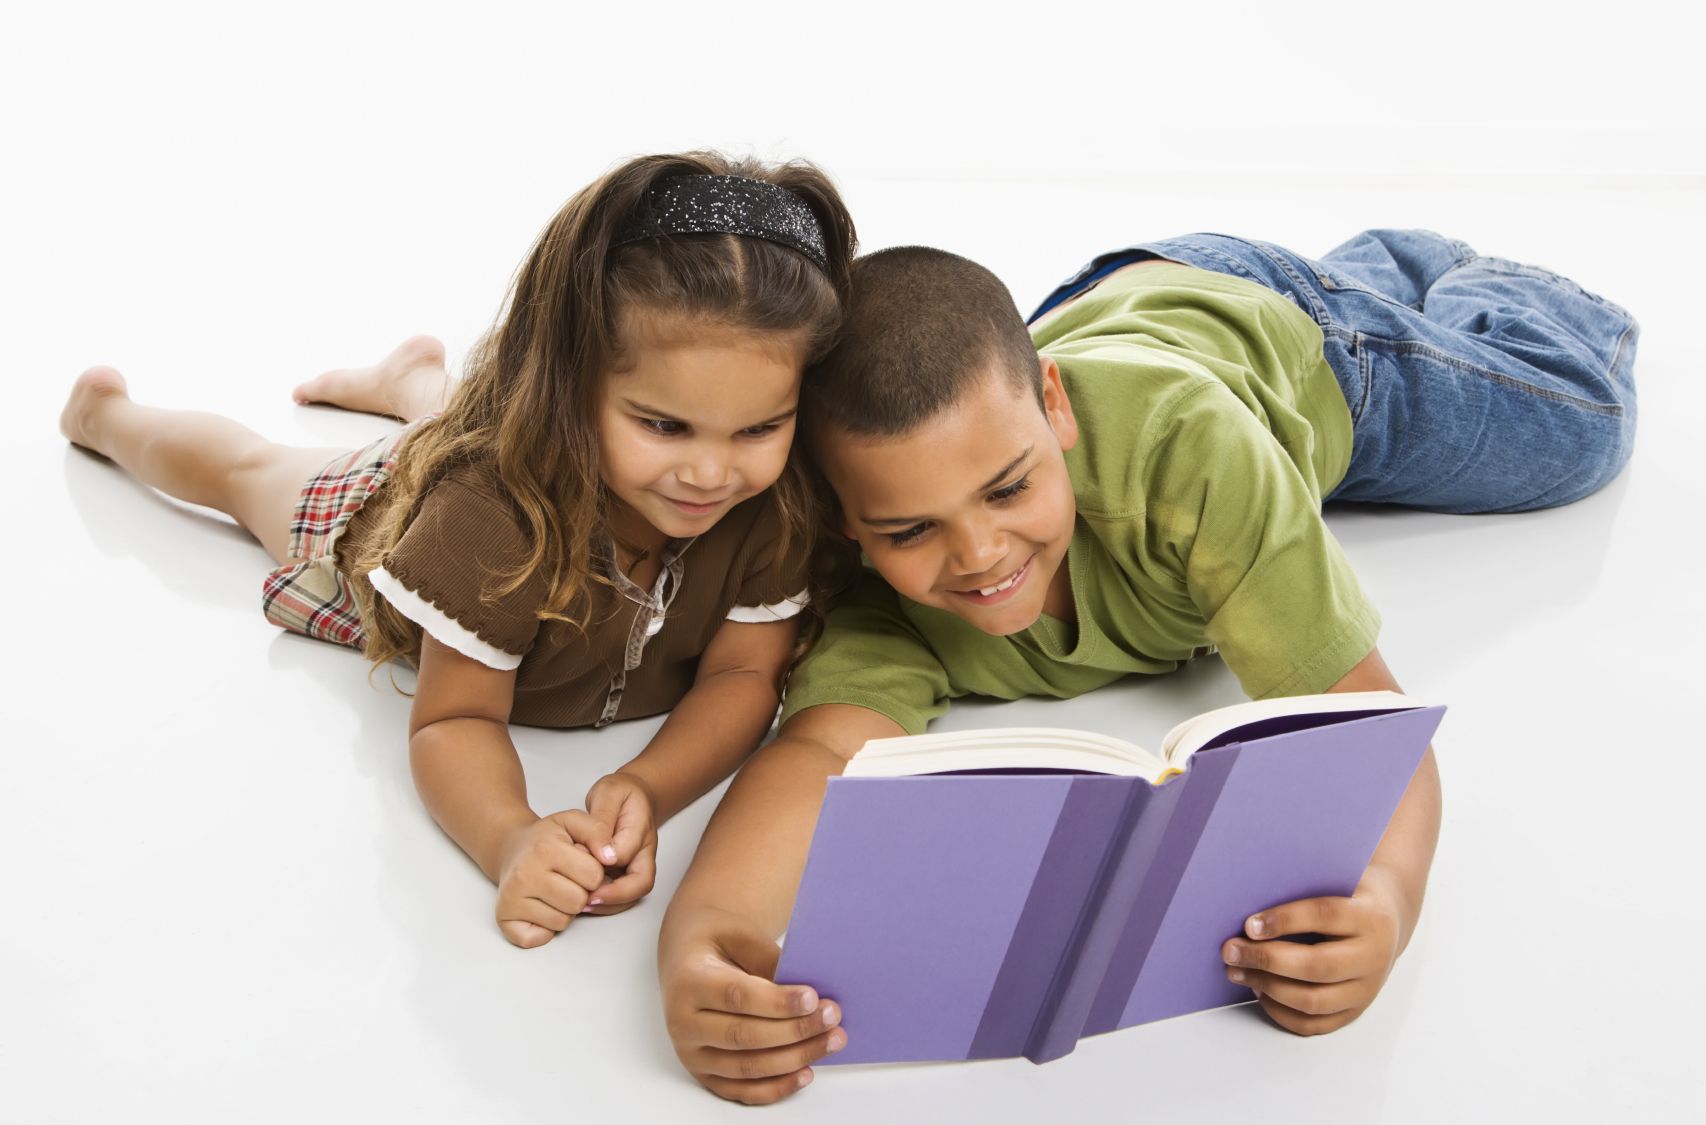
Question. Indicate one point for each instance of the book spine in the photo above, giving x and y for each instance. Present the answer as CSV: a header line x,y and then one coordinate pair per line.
x,y
1062,1017
1055,911
1160,857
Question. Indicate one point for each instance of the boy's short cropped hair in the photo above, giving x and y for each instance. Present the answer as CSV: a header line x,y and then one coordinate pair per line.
x,y
922,326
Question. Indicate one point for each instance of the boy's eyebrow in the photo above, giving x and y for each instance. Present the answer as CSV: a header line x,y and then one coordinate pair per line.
x,y
984,487
666,416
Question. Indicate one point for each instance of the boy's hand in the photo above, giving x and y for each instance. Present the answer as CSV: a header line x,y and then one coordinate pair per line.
x,y
625,804
1313,989
549,870
740,1035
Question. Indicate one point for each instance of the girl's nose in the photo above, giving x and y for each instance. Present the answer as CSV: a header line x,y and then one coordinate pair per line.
x,y
707,471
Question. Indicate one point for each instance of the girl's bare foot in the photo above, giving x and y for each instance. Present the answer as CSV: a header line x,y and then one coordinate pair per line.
x,y
406,384
92,387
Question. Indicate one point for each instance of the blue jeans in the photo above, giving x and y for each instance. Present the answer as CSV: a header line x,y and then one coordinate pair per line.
x,y
1474,384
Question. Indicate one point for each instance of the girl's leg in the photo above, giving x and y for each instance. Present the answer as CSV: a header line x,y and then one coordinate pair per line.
x,y
409,383
200,458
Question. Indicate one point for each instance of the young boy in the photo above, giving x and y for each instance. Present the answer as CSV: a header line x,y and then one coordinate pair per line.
x,y
1135,483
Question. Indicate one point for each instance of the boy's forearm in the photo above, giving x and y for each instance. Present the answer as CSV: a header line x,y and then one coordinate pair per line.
x,y
470,779
753,852
706,737
1401,863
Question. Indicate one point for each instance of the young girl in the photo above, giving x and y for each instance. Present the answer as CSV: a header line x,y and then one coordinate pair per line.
x,y
604,522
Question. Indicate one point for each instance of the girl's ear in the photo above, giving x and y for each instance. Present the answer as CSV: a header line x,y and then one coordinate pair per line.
x,y
1057,407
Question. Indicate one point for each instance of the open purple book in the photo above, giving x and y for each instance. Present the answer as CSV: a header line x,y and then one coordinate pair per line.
x,y
1008,910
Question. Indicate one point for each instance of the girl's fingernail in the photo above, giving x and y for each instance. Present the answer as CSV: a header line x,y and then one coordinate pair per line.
x,y
609,854
1256,926
805,1079
1233,953
1236,976
593,901
837,1040
831,1015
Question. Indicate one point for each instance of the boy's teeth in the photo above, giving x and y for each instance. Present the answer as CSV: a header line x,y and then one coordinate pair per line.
x,y
986,591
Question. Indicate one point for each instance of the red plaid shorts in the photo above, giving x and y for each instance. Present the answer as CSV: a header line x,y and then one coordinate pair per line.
x,y
309,594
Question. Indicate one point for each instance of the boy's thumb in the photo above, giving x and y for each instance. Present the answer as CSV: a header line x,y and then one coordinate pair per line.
x,y
751,951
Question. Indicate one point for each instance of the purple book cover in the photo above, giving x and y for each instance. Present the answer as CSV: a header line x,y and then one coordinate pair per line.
x,y
992,915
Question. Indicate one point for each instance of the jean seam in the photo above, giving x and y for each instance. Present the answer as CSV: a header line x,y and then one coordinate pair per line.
x,y
1320,307
1613,410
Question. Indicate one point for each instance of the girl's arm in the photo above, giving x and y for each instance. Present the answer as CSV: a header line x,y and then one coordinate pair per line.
x,y
721,719
470,779
715,727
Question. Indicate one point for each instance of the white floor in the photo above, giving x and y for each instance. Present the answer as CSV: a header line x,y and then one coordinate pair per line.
x,y
222,899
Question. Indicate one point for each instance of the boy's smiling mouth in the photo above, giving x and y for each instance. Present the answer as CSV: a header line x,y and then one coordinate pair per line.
x,y
1000,591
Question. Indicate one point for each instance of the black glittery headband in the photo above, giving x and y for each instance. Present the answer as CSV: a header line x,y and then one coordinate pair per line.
x,y
727,205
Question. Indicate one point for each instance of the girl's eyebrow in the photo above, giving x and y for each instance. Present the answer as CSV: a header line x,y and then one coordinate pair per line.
x,y
666,416
1006,470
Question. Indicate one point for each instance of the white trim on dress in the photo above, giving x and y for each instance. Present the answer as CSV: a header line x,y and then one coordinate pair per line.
x,y
444,628
781,611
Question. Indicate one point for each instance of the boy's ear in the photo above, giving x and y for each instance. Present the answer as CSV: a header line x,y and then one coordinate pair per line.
x,y
1057,407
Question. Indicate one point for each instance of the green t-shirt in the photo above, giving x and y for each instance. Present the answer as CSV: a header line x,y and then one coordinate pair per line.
x,y
1210,427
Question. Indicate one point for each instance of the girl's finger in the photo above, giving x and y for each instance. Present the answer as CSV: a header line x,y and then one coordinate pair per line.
x,y
584,828
532,912
576,864
1305,999
559,892
525,934
624,891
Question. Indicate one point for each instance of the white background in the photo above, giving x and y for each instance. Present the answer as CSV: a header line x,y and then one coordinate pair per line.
x,y
221,899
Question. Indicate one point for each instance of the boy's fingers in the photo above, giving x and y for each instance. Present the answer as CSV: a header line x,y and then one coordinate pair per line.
x,y
726,1032
1301,1023
1327,962
1336,917
769,1062
744,994
760,1092
1305,999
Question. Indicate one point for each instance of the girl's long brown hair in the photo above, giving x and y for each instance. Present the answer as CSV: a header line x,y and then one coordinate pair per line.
x,y
527,407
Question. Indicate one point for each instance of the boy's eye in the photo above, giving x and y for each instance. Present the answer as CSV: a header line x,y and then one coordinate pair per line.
x,y
1011,490
902,538
663,426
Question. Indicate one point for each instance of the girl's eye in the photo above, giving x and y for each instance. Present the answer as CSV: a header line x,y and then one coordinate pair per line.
x,y
902,538
1011,490
765,430
663,426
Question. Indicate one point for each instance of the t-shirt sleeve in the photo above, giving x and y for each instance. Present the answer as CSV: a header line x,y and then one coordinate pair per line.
x,y
1228,506
772,584
869,655
446,573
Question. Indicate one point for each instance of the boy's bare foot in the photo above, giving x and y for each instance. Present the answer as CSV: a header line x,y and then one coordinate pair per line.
x,y
87,393
406,384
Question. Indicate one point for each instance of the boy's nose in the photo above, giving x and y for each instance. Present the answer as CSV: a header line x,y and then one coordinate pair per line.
x,y
972,550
